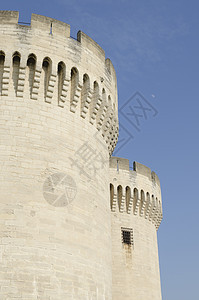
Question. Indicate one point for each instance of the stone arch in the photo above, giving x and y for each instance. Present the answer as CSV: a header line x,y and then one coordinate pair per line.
x,y
102,109
127,197
16,58
74,79
85,90
46,67
142,201
2,57
31,65
135,198
153,200
153,207
2,61
16,54
95,90
111,195
119,196
94,100
103,97
147,202
61,74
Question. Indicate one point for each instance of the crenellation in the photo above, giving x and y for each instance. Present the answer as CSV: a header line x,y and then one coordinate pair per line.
x,y
50,26
145,200
88,43
111,71
119,163
43,24
9,17
155,178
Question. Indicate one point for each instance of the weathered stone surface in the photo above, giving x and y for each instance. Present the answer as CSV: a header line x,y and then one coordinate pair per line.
x,y
58,128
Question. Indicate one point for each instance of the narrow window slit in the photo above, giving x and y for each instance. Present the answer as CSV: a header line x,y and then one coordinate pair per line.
x,y
2,60
51,28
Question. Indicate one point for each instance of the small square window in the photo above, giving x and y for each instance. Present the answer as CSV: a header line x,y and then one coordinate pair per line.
x,y
127,236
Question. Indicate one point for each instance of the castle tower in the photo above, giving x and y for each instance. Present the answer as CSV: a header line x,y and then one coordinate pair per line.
x,y
74,223
58,126
135,200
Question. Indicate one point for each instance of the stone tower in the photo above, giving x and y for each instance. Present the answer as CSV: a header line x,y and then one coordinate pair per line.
x,y
135,200
74,224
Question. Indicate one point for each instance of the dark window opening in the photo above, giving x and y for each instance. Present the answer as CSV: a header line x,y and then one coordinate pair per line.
x,y
127,236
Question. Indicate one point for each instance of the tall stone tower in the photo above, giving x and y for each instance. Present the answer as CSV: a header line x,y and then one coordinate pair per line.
x,y
135,200
74,224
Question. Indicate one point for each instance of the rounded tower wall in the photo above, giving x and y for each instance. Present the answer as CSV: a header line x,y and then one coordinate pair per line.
x,y
136,205
58,128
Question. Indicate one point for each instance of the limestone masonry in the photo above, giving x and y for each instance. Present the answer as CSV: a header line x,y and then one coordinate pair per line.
x,y
75,222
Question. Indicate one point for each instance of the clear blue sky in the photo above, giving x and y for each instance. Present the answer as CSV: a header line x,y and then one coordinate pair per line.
x,y
154,46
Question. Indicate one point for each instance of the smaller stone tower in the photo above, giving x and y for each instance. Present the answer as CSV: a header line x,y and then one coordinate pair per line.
x,y
136,206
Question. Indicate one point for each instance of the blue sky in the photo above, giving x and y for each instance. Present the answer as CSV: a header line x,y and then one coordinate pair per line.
x,y
154,47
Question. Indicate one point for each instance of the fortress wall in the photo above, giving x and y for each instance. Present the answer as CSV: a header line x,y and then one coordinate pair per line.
x,y
135,266
49,251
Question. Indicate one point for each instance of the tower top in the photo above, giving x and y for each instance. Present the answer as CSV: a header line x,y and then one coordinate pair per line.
x,y
88,83
141,185
53,27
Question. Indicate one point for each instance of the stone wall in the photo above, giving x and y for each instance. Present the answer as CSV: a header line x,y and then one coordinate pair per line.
x,y
58,126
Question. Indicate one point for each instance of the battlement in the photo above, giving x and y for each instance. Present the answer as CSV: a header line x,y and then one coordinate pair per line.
x,y
9,17
42,61
53,27
135,190
49,25
46,24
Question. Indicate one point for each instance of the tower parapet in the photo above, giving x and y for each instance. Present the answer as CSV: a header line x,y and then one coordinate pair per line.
x,y
41,61
135,191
